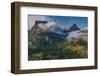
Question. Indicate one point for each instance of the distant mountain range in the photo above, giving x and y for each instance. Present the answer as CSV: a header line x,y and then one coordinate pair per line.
x,y
57,34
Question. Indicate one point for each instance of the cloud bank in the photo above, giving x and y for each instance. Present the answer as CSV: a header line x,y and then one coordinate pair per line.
x,y
32,19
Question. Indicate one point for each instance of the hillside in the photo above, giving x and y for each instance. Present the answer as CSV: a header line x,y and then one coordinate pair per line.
x,y
53,42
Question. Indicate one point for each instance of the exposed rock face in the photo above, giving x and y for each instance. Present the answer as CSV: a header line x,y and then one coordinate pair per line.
x,y
74,27
56,34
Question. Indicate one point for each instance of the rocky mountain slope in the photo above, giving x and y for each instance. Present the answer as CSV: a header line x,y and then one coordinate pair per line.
x,y
56,34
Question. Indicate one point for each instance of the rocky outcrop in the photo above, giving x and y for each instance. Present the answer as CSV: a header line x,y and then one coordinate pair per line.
x,y
74,27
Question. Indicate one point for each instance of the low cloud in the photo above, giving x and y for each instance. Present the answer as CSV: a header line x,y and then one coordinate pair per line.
x,y
32,19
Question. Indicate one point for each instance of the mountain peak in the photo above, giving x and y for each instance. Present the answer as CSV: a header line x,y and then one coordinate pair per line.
x,y
74,27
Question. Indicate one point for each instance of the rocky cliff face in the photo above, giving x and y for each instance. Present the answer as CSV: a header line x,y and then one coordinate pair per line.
x,y
74,27
57,34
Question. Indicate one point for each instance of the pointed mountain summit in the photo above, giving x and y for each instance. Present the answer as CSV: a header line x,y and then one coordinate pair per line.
x,y
74,27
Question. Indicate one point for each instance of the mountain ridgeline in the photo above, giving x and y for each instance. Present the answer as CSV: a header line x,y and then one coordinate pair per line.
x,y
51,42
74,27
